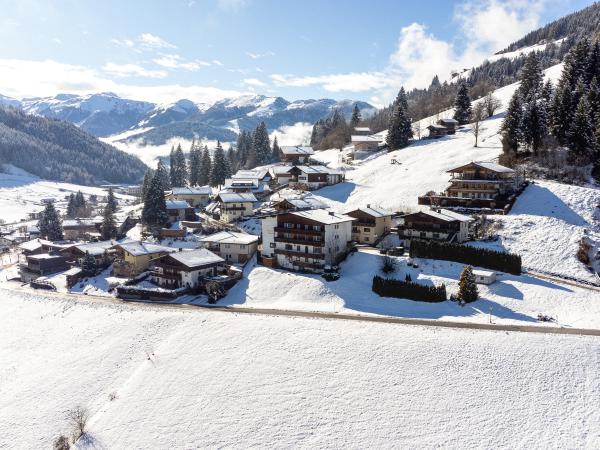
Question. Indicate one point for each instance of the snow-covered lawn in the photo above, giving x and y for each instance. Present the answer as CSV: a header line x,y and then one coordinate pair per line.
x,y
197,379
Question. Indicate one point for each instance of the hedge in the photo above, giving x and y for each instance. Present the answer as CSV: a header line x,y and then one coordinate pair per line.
x,y
474,256
385,287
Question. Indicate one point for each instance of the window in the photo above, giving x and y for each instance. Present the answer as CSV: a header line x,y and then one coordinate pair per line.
x,y
272,245
366,239
422,234
289,247
288,225
242,246
366,230
317,227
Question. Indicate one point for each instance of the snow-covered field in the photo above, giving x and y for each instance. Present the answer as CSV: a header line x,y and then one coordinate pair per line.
x,y
197,379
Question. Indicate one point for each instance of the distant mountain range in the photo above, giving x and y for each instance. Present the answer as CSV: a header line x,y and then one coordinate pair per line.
x,y
106,114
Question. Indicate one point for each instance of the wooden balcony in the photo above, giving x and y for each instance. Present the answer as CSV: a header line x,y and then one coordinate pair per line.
x,y
299,240
280,251
299,231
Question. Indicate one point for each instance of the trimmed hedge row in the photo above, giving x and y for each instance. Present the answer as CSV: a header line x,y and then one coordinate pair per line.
x,y
385,287
482,257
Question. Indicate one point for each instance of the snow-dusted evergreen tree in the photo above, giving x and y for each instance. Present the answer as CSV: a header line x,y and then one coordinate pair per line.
x,y
71,207
561,112
547,92
535,124
172,167
261,145
220,166
400,130
50,225
88,266
111,201
593,99
179,173
356,118
195,164
154,213
596,164
531,78
205,167
232,157
462,104
146,184
512,126
108,228
276,151
582,144
163,176
467,287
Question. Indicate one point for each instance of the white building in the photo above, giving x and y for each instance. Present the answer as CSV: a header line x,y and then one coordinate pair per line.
x,y
305,240
233,247
185,268
194,196
484,276
234,205
296,153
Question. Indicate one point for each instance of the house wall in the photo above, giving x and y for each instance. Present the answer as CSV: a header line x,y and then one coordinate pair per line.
x,y
192,278
141,262
268,225
337,237
193,200
233,211
233,253
365,234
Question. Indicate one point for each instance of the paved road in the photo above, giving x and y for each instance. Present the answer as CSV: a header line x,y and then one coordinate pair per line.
x,y
546,329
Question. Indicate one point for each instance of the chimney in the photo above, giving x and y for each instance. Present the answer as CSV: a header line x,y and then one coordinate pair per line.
x,y
331,213
180,249
368,205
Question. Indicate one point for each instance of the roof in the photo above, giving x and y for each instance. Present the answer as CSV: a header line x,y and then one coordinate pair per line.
x,y
251,174
305,203
95,248
366,138
31,246
177,204
241,182
435,126
454,121
138,248
494,167
296,150
196,258
46,256
484,273
230,237
456,215
202,190
323,216
277,170
78,223
373,211
318,169
446,216
236,197
73,271
362,129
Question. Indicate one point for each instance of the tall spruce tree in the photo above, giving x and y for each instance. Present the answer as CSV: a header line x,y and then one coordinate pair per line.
x,y
512,126
71,207
146,184
179,173
88,266
276,151
531,78
219,167
108,228
163,176
582,143
172,167
50,225
205,167
462,104
596,164
400,129
154,213
356,117
261,145
111,201
535,124
195,164
467,287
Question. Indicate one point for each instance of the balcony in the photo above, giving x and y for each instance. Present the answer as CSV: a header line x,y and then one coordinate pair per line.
x,y
305,265
281,251
233,208
363,224
299,231
166,275
298,240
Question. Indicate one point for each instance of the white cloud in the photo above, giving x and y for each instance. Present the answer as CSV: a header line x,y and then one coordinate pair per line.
x,y
25,78
154,42
132,70
299,133
231,5
351,82
216,62
260,55
177,62
253,82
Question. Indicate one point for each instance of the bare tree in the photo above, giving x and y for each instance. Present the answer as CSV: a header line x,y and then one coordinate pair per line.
x,y
477,117
417,129
491,104
78,418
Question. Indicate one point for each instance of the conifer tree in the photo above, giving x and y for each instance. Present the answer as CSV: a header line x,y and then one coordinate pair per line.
x,y
462,104
205,167
400,129
531,78
154,213
512,126
111,201
593,99
356,118
219,167
88,266
596,164
276,152
260,145
50,225
146,184
467,288
179,173
561,112
232,156
195,162
163,176
582,143
535,124
71,207
108,228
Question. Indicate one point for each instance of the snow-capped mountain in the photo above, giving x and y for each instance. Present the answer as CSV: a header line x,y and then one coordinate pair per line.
x,y
8,101
107,114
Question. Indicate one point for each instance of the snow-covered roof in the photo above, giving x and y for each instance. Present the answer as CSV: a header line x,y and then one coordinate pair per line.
x,y
251,174
241,182
177,204
31,246
78,223
366,138
456,215
230,237
484,273
306,203
323,216
201,190
362,129
278,170
453,121
236,197
137,248
296,150
318,169
373,211
494,167
95,248
196,258
447,216
45,256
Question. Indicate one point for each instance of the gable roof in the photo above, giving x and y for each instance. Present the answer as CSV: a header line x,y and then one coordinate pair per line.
x,y
236,197
296,150
372,211
366,138
323,216
177,204
95,248
201,190
494,167
230,237
79,223
360,129
139,248
196,258
251,174
317,169
444,215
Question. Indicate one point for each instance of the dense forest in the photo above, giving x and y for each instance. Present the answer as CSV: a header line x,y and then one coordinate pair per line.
x,y
57,150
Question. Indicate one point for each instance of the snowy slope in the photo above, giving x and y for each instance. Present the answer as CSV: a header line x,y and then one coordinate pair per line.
x,y
195,379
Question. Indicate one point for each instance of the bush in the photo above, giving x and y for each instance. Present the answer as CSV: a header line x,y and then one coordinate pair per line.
x,y
61,443
388,264
78,417
482,257
583,251
407,289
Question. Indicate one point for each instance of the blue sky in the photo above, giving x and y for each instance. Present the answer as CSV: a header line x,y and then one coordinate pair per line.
x,y
161,50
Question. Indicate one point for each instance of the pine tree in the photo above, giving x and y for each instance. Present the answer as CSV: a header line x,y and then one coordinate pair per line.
x,y
356,118
593,99
154,213
88,266
467,287
462,104
512,126
596,164
531,78
163,176
205,167
261,145
582,143
172,167
111,201
547,91
276,152
146,184
179,174
535,124
400,129
195,162
233,159
49,225
561,113
71,207
219,167
108,228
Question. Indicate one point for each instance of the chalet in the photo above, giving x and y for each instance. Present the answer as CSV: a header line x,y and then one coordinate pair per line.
x,y
179,210
439,224
235,205
76,229
481,180
262,175
186,268
298,204
102,252
296,154
33,247
196,197
361,131
305,240
233,247
314,177
42,264
366,143
251,185
281,174
443,127
371,224
133,258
